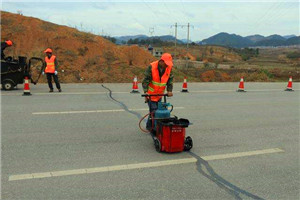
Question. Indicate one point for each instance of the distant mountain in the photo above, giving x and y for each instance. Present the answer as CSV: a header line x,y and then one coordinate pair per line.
x,y
225,39
237,41
270,42
126,38
289,36
255,38
275,37
164,38
293,41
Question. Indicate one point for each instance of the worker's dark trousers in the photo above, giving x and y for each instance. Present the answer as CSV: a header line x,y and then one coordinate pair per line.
x,y
152,108
55,77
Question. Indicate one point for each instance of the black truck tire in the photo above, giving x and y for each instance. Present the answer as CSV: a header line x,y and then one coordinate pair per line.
x,y
8,84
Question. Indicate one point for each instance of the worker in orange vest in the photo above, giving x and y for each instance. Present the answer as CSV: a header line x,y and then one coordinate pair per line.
x,y
158,76
5,44
51,69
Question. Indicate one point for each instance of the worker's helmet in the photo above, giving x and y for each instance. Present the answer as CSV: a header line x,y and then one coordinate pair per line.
x,y
48,50
9,42
167,58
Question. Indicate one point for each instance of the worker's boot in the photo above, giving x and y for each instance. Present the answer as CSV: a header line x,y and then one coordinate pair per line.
x,y
59,90
51,90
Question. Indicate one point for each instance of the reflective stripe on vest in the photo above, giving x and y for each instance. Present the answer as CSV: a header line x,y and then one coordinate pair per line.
x,y
158,84
50,67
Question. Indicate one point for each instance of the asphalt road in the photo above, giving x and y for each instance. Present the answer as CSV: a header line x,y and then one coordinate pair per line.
x,y
89,130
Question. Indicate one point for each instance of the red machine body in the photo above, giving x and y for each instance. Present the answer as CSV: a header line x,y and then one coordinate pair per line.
x,y
170,135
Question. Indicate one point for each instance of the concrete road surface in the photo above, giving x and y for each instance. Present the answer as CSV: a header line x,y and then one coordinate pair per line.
x,y
83,144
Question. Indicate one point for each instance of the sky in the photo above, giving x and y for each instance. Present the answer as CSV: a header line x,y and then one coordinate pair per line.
x,y
156,17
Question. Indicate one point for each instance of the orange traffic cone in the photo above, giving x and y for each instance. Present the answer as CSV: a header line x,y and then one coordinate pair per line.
x,y
26,87
241,86
135,87
290,85
184,86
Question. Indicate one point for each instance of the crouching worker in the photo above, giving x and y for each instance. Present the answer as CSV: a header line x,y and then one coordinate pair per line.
x,y
158,76
51,69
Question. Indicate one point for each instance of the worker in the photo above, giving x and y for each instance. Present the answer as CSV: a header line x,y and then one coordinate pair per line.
x,y
51,69
158,76
5,44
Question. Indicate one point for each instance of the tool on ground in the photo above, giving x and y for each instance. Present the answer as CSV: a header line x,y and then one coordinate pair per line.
x,y
290,85
135,88
168,133
184,86
241,85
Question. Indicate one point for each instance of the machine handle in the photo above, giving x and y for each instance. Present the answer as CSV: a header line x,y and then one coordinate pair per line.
x,y
154,95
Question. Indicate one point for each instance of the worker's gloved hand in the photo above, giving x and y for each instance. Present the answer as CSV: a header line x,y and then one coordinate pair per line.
x,y
55,72
43,73
170,94
146,99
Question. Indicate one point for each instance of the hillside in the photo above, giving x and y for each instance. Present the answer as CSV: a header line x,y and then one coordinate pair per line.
x,y
225,39
237,41
82,56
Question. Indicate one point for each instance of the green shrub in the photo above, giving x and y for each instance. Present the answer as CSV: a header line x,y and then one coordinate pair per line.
x,y
266,72
293,55
86,37
82,51
18,28
49,27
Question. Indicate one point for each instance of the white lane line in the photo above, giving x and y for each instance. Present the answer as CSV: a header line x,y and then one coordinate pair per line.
x,y
140,165
63,93
92,111
101,169
242,154
190,91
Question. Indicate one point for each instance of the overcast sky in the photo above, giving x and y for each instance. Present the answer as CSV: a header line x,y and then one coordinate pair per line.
x,y
119,18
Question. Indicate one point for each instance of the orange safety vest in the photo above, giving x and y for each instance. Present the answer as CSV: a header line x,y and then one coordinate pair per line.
x,y
158,85
50,64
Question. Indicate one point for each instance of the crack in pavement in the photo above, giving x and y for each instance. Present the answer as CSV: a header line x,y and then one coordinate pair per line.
x,y
211,175
218,180
138,115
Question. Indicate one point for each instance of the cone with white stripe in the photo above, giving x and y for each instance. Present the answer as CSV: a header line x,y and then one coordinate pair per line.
x,y
26,87
184,86
290,85
135,87
241,85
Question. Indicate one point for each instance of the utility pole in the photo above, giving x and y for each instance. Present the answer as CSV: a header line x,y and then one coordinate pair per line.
x,y
187,45
151,31
175,39
188,40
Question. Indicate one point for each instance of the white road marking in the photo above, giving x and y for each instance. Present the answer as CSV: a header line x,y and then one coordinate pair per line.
x,y
140,165
93,93
102,169
242,154
92,111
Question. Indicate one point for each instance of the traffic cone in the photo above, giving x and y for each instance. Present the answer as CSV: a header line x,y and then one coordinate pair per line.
x,y
26,87
290,85
241,86
135,87
184,86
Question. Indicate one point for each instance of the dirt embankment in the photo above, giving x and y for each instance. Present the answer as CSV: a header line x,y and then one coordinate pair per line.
x,y
84,57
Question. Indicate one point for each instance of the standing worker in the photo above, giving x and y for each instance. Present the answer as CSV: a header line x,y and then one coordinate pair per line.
x,y
158,76
5,44
51,69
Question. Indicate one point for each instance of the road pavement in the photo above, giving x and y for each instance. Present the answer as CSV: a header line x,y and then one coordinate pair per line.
x,y
83,144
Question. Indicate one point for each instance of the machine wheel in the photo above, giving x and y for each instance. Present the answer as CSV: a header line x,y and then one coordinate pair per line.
x,y
8,84
188,143
157,144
